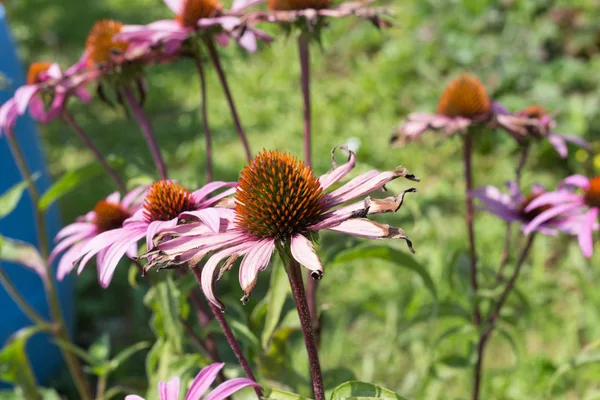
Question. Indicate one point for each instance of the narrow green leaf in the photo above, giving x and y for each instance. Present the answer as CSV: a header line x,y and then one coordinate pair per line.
x,y
244,334
72,179
125,354
278,290
579,361
10,198
19,252
392,255
276,394
78,351
362,390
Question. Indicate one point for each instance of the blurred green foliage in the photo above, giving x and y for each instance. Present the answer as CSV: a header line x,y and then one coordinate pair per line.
x,y
380,323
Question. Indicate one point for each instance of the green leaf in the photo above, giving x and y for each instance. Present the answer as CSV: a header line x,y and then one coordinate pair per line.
x,y
14,365
362,390
276,394
78,351
99,351
125,354
582,360
72,179
163,299
392,255
278,290
19,252
244,334
10,198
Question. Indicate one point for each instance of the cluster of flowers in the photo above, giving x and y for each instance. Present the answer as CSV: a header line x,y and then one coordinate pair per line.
x,y
465,103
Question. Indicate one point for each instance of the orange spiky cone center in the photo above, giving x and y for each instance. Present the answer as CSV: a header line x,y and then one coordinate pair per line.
x,y
530,215
166,200
194,10
109,216
35,71
534,112
291,5
592,194
277,196
100,46
465,97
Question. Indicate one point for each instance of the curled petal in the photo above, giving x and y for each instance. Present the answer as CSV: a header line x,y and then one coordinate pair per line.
x,y
256,260
304,252
338,173
363,227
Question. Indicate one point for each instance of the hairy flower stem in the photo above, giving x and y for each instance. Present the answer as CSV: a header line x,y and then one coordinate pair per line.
x,y
75,368
68,118
235,346
304,55
214,56
491,321
19,300
295,277
146,127
468,152
205,125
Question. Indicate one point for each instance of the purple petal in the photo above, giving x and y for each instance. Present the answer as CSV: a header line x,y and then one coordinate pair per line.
x,y
559,144
549,214
203,380
578,181
226,389
304,252
338,173
553,198
585,235
23,96
493,197
169,390
256,260
222,38
576,140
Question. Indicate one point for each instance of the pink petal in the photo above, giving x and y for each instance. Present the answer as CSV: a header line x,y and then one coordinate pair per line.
x,y
200,194
559,144
174,5
211,217
114,198
137,194
67,261
204,242
493,197
576,140
222,38
549,214
37,110
23,96
338,173
75,228
248,41
304,252
113,255
169,390
54,72
226,389
133,397
578,181
553,198
361,227
68,242
208,271
585,235
256,260
156,226
240,5
203,380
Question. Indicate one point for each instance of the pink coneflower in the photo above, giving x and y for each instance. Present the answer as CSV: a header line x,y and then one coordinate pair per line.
x,y
164,203
8,116
191,17
580,211
513,206
280,204
201,383
107,215
535,122
464,102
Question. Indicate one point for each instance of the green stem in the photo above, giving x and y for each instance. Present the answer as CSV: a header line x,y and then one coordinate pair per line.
x,y
19,300
61,332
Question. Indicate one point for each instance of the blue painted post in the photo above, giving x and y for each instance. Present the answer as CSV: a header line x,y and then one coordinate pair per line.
x,y
20,224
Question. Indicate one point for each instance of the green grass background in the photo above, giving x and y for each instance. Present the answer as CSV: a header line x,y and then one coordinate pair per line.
x,y
377,321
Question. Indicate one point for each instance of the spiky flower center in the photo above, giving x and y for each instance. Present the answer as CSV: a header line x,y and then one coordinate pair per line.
x,y
592,194
465,97
194,10
100,45
530,215
534,112
290,5
277,196
109,216
36,69
166,200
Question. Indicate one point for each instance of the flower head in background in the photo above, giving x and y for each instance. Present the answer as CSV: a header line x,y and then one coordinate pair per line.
x,y
107,215
165,202
192,17
280,204
311,15
201,383
513,206
464,102
579,210
534,122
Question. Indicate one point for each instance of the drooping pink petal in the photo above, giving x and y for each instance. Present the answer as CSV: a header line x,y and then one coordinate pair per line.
x,y
203,380
248,41
549,214
553,198
338,173
23,96
37,110
585,234
113,255
133,195
67,261
8,115
362,227
74,228
211,217
578,181
169,390
304,252
209,269
210,242
515,192
226,389
156,226
256,260
201,194
559,144
62,245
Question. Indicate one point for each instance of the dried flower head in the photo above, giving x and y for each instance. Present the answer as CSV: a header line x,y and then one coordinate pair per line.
x,y
193,10
101,46
466,97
